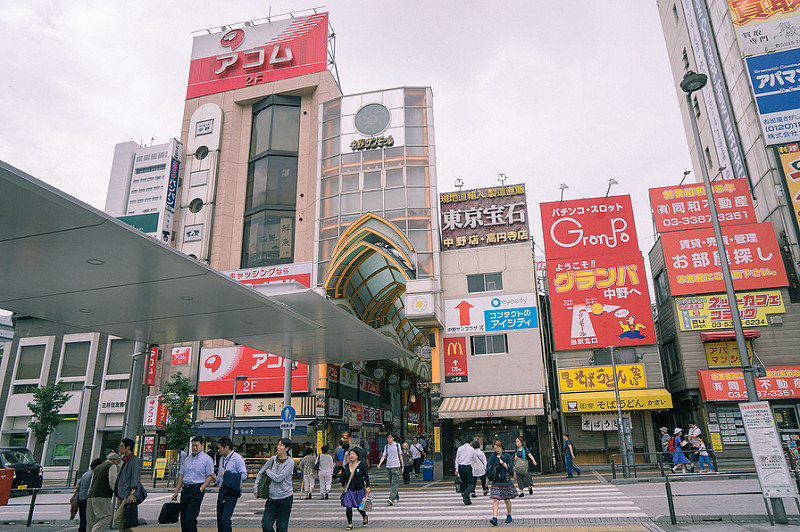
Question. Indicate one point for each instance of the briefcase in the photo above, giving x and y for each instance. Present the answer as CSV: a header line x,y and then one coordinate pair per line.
x,y
170,513
130,516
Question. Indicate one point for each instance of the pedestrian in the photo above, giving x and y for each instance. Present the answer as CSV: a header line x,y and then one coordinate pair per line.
x,y
232,471
393,457
692,436
665,437
703,458
569,457
128,481
196,473
307,466
325,470
340,453
499,470
278,508
408,461
83,493
523,461
99,504
464,457
355,481
421,440
479,467
417,454
678,456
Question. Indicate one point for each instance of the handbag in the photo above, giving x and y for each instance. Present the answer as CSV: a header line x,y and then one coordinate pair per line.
x,y
232,484
347,485
130,516
73,505
520,466
366,504
263,484
141,494
316,464
459,485
492,473
170,513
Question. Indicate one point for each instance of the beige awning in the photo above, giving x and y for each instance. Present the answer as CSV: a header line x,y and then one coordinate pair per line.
x,y
529,404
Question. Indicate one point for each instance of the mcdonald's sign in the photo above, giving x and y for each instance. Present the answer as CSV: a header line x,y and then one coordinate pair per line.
x,y
455,359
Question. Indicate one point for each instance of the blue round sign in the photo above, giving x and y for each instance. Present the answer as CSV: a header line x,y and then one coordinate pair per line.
x,y
287,414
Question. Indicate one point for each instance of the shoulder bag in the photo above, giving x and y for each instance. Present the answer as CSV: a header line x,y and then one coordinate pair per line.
x,y
263,483
316,463
347,485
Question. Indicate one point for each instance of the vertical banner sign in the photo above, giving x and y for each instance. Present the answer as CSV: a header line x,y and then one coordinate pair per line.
x,y
151,366
455,359
765,444
789,158
775,79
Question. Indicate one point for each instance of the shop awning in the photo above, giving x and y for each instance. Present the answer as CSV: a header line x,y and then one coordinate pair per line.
x,y
654,399
529,404
728,335
246,427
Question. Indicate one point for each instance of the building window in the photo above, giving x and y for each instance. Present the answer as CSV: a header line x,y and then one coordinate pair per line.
x,y
31,359
75,359
24,388
622,355
685,60
696,105
153,168
484,282
489,344
271,200
672,356
675,14
662,287
59,444
121,384
709,160
120,357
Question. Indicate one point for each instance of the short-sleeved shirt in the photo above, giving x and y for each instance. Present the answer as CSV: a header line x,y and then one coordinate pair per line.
x,y
415,449
392,454
83,483
196,467
233,463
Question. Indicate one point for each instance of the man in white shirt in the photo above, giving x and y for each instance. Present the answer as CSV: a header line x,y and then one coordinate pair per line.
x,y
694,438
231,464
417,455
464,457
393,456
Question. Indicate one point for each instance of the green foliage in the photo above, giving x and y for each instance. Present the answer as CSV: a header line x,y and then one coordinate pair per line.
x,y
47,401
179,427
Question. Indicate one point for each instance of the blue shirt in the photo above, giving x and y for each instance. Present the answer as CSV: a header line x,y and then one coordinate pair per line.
x,y
233,463
196,467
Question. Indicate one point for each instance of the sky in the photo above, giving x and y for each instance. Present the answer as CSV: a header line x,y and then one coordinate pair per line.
x,y
544,92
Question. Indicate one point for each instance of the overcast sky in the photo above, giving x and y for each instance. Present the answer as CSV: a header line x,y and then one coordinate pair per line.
x,y
545,92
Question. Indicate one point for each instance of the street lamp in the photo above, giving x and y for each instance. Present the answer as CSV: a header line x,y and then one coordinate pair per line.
x,y
562,187
459,184
77,431
692,82
611,182
623,432
233,403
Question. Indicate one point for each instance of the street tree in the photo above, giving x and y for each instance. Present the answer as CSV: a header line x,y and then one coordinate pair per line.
x,y
179,426
45,407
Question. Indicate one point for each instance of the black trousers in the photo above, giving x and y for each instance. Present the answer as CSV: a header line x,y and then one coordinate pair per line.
x,y
348,512
467,482
277,513
82,514
191,499
225,505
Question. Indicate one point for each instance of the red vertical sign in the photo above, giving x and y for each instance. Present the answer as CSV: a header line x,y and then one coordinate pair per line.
x,y
151,366
455,359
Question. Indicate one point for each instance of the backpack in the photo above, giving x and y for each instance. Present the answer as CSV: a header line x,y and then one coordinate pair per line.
x,y
671,445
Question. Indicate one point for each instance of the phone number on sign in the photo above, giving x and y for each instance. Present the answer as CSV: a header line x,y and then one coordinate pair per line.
x,y
763,394
704,219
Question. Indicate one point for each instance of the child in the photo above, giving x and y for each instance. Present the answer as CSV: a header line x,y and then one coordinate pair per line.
x,y
704,459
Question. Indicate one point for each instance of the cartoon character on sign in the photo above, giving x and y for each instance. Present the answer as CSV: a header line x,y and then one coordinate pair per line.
x,y
630,329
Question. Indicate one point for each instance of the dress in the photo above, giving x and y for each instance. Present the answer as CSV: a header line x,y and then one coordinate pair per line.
x,y
678,457
502,487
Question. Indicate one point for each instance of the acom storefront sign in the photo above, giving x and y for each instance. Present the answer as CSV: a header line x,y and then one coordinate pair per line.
x,y
265,372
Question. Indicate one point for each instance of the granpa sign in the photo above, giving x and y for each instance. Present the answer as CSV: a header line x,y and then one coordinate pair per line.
x,y
587,227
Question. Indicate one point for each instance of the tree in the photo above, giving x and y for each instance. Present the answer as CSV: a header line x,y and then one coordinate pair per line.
x,y
179,427
47,401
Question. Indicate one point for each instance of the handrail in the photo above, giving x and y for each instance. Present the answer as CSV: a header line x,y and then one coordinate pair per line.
x,y
662,457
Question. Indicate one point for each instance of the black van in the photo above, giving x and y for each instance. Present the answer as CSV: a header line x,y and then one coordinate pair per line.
x,y
27,473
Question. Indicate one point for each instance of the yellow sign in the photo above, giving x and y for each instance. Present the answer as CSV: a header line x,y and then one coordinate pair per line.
x,y
711,311
161,466
720,354
655,399
437,438
716,441
595,378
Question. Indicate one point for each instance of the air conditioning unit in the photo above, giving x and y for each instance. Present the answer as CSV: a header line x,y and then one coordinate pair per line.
x,y
776,321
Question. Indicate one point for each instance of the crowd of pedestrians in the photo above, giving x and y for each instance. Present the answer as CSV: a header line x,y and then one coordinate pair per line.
x,y
685,450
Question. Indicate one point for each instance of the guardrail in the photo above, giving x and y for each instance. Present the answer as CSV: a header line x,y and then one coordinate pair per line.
x,y
661,458
719,476
32,503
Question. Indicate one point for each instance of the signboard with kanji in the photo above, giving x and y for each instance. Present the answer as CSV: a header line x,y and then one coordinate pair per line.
x,y
264,371
781,382
765,444
724,354
776,86
677,208
765,25
600,378
600,302
589,227
493,313
650,399
789,157
693,263
455,359
701,312
484,217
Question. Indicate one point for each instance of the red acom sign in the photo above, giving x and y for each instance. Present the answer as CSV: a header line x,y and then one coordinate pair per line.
x,y
693,261
686,207
258,54
220,365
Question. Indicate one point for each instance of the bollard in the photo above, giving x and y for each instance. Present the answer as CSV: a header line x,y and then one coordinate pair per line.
x,y
33,504
613,470
661,463
672,518
714,459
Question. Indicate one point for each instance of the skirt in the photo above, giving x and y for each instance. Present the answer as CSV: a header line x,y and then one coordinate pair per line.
x,y
679,458
503,491
353,498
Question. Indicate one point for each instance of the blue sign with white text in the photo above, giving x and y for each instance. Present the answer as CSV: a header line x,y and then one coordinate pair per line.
x,y
775,79
511,319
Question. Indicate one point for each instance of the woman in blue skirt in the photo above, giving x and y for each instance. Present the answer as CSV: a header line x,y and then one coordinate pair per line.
x,y
500,468
355,481
678,457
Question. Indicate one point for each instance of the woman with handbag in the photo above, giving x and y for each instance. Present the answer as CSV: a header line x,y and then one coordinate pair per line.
x,y
522,467
307,466
324,467
499,469
479,467
355,480
279,470
409,463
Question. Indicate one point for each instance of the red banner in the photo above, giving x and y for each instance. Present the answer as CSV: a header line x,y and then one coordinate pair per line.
x,y
589,227
781,382
333,373
693,261
152,360
455,359
264,371
369,385
180,355
686,207
600,302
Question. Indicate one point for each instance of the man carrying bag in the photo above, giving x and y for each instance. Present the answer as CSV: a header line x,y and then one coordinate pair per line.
x,y
127,488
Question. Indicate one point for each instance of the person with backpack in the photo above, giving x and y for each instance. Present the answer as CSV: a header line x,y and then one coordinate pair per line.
x,y
676,445
569,457
693,438
499,469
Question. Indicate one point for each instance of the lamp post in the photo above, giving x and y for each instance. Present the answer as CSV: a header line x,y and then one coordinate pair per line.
x,y
693,82
77,431
233,403
623,433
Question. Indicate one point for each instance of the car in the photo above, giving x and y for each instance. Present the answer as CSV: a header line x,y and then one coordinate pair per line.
x,y
27,473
